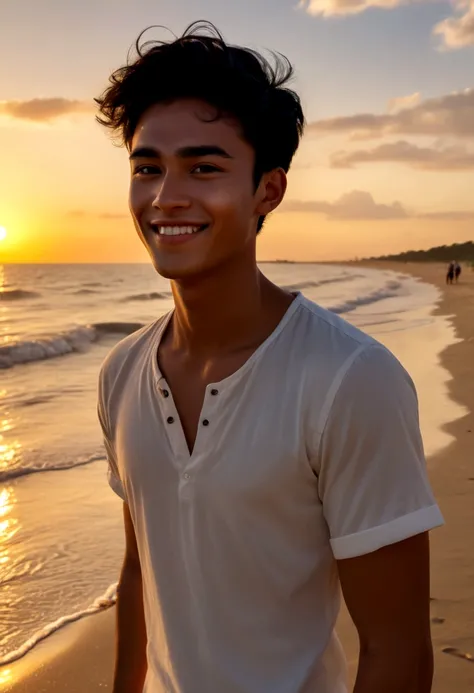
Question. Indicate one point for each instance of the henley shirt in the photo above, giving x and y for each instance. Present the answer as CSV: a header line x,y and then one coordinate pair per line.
x,y
308,453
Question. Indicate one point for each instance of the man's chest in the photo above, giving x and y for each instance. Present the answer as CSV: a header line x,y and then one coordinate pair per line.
x,y
189,382
251,441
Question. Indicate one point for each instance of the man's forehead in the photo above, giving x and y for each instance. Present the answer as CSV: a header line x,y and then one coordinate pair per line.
x,y
189,122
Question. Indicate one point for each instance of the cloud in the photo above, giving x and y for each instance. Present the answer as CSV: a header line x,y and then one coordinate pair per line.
x,y
359,205
455,32
355,205
450,114
328,8
447,216
454,158
458,31
112,216
402,102
76,213
44,110
82,214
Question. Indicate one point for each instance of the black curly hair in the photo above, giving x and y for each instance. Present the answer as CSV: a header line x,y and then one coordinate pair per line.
x,y
236,81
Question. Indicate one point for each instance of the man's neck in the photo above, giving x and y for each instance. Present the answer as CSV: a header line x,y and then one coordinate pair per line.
x,y
228,310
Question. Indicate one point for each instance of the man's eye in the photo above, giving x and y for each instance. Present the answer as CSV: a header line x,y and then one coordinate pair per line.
x,y
205,168
147,170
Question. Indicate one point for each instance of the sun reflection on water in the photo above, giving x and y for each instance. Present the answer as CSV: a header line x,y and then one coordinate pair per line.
x,y
9,450
8,524
6,676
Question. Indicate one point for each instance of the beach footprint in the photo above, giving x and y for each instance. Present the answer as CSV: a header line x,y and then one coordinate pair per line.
x,y
458,653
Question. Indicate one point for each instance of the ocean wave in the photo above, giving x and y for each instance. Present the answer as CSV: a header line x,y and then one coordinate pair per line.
x,y
76,340
17,294
73,340
102,603
80,338
84,292
390,290
117,327
314,284
152,296
17,472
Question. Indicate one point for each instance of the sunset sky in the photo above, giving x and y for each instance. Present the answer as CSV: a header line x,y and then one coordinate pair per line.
x,y
386,164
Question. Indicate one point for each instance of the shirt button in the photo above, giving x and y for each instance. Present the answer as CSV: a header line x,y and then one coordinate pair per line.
x,y
205,422
214,392
170,420
186,476
165,393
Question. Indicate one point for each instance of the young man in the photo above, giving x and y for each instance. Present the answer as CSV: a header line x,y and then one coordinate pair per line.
x,y
267,452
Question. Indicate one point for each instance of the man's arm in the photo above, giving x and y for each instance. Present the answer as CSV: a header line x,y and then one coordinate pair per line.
x,y
131,663
387,593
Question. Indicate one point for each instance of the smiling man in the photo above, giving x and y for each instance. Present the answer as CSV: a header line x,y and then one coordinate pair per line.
x,y
266,451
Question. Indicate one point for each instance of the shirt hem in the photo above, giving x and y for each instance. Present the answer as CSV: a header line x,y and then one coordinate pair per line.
x,y
116,486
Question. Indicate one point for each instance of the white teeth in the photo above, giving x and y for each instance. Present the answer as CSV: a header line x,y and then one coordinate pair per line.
x,y
177,230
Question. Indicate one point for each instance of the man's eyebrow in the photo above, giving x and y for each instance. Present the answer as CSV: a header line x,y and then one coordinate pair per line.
x,y
144,153
191,152
203,150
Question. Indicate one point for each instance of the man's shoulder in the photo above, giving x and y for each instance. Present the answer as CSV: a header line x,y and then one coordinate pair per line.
x,y
130,350
329,346
327,330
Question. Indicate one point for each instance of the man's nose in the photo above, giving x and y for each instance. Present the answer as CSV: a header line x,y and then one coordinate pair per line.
x,y
171,194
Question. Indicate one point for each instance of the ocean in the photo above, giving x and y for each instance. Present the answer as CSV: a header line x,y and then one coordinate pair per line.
x,y
61,537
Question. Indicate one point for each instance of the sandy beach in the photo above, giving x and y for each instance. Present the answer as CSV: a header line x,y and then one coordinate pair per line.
x,y
80,657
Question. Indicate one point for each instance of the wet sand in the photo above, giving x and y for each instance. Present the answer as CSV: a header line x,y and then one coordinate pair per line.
x,y
80,657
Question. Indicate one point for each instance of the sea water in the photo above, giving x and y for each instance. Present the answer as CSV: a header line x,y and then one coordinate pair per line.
x,y
61,537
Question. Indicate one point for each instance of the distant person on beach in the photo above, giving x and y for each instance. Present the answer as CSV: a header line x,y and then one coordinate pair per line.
x,y
267,452
457,270
450,273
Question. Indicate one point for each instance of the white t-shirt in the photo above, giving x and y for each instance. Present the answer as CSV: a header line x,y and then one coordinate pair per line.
x,y
310,452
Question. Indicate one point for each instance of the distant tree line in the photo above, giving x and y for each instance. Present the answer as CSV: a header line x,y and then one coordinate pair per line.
x,y
462,252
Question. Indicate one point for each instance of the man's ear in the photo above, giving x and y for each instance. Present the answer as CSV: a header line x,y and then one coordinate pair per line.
x,y
271,191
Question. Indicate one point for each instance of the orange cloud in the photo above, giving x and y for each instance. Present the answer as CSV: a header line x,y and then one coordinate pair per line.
x,y
353,205
455,32
359,205
401,102
327,8
454,158
44,110
82,213
450,114
458,31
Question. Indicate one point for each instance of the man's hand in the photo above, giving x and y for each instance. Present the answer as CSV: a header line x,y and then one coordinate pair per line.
x,y
387,593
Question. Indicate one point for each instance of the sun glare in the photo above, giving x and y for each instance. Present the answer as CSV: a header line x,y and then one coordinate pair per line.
x,y
3,233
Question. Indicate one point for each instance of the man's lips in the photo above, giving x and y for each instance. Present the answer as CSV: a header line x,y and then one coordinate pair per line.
x,y
177,228
176,233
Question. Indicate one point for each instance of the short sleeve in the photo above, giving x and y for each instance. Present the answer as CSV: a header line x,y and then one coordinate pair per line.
x,y
113,476
372,473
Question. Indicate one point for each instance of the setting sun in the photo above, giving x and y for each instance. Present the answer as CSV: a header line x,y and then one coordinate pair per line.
x,y
3,233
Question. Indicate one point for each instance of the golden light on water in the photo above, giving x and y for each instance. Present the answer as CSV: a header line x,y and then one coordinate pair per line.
x,y
6,676
3,233
8,525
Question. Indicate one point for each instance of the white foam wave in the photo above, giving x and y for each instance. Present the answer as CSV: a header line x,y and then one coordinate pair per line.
x,y
76,340
152,296
314,284
103,602
35,468
390,290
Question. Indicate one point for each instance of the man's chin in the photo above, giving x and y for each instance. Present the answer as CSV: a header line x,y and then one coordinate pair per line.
x,y
175,270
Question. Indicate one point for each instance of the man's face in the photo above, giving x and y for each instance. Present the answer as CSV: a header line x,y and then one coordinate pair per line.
x,y
192,194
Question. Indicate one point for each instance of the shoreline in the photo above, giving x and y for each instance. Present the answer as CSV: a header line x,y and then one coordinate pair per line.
x,y
452,478
80,656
